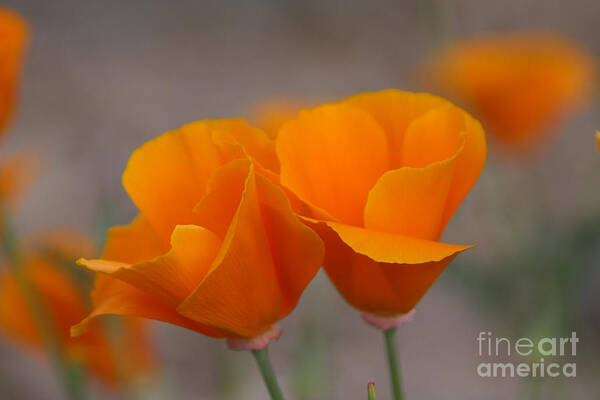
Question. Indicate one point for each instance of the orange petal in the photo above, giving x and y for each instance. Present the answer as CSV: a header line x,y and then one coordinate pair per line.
x,y
439,135
331,156
130,244
434,136
469,165
381,273
173,276
14,34
297,251
255,143
134,243
16,174
598,139
167,176
394,110
59,293
216,210
112,296
251,285
410,201
392,248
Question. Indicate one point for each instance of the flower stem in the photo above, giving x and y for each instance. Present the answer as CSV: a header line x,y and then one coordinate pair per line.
x,y
266,370
534,389
69,374
371,391
393,363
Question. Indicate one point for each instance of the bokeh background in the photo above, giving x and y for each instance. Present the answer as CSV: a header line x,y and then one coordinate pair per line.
x,y
101,78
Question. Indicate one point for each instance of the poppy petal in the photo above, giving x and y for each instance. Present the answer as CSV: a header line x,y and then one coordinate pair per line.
x,y
216,210
441,134
170,277
435,136
411,201
389,247
255,142
167,176
331,156
469,165
394,110
296,249
231,297
131,244
134,243
112,296
251,285
381,273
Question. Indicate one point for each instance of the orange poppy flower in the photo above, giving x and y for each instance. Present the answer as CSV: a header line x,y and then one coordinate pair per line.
x,y
216,247
13,40
381,174
520,84
64,302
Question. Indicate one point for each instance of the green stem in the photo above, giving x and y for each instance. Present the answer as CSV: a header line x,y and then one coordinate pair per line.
x,y
70,375
266,370
371,391
534,389
394,366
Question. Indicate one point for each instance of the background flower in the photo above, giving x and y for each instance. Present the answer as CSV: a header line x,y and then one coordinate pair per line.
x,y
270,115
16,174
113,357
13,41
521,85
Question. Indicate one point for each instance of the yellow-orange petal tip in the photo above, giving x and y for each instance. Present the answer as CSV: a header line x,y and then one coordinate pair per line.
x,y
79,329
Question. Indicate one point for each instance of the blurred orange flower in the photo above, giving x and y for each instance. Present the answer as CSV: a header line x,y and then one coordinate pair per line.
x,y
271,115
216,247
381,175
16,173
107,359
520,84
14,33
598,139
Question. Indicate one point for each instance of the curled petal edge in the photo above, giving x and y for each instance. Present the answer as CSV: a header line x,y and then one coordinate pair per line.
x,y
391,248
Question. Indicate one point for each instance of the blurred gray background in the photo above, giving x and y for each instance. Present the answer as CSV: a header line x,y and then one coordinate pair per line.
x,y
102,77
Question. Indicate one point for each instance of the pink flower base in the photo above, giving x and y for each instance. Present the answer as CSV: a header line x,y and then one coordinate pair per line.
x,y
256,343
385,323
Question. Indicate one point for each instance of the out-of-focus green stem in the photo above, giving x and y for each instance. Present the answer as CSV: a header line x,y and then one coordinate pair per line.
x,y
371,391
393,363
266,370
534,389
69,374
